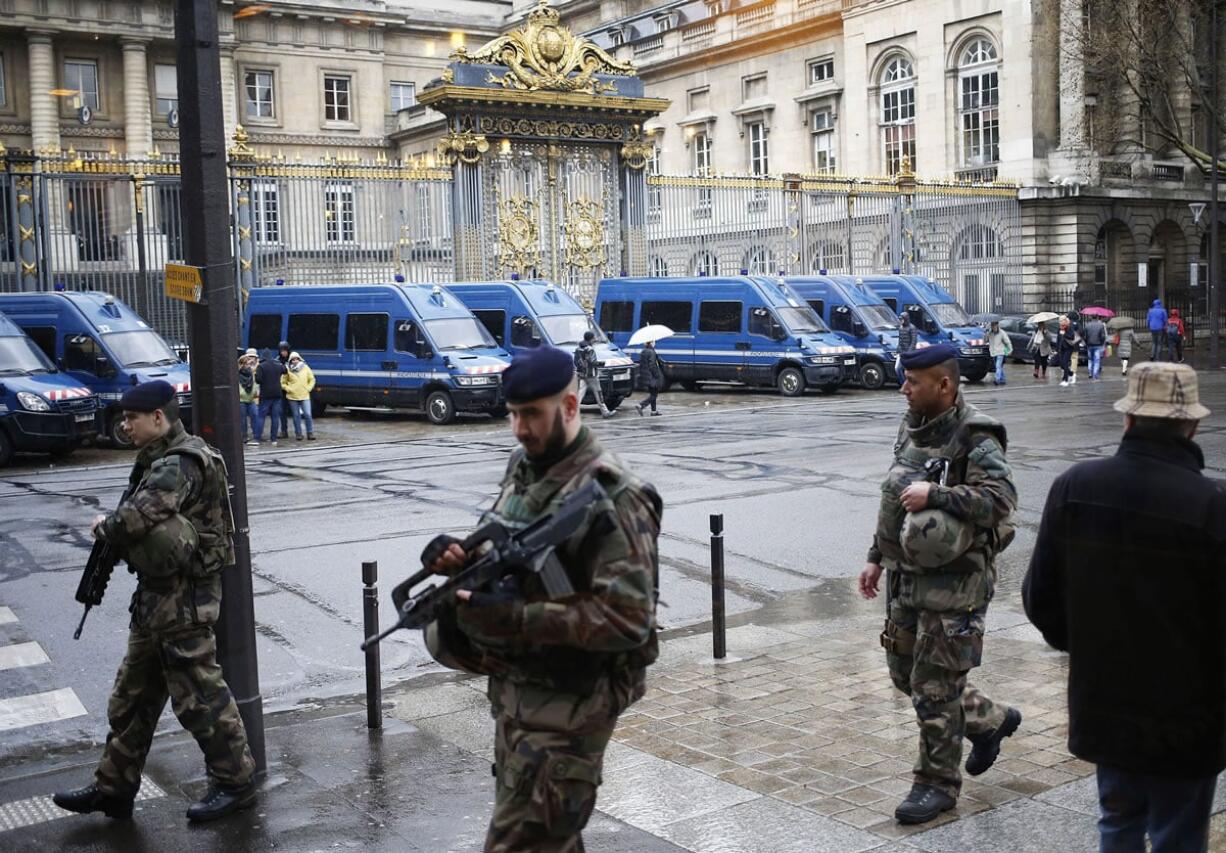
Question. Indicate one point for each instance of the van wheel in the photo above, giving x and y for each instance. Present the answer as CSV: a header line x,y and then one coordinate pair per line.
x,y
791,382
690,385
6,449
830,388
439,408
498,412
976,377
872,376
119,435
318,410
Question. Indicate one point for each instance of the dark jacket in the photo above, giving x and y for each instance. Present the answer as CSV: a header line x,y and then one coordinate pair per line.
x,y
649,368
1156,318
1129,576
1096,333
268,377
906,337
585,360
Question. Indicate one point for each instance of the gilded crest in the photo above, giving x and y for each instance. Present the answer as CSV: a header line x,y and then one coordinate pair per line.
x,y
584,233
518,233
544,55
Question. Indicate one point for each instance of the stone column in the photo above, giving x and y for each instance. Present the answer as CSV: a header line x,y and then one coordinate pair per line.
x,y
138,124
44,111
1072,75
229,93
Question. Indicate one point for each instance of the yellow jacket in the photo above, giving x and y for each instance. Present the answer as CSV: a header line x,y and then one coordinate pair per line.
x,y
297,384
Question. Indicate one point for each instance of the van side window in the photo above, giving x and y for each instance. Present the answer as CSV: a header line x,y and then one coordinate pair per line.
x,y
893,303
719,317
819,306
840,319
617,316
264,331
762,322
678,316
917,314
314,331
366,332
524,333
44,336
406,337
81,353
495,322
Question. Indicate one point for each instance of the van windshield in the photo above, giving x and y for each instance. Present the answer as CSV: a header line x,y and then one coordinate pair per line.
x,y
879,317
569,328
19,356
950,314
459,333
140,349
801,320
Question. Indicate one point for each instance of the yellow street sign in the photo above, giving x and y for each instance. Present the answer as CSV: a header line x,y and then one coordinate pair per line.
x,y
184,282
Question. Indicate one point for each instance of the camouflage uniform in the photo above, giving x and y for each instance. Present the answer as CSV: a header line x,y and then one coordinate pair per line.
x,y
562,671
174,528
934,627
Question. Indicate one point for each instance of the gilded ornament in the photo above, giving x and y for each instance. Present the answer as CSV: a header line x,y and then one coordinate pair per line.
x,y
518,233
465,146
584,231
636,153
240,150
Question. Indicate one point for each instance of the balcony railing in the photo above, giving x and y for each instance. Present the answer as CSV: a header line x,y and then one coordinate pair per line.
x,y
979,175
1168,172
1115,170
648,45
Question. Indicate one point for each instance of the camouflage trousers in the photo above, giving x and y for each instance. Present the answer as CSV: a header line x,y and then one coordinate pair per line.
x,y
929,654
549,750
181,665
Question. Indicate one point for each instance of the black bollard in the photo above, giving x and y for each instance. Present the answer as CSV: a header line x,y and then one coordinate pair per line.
x,y
717,586
370,624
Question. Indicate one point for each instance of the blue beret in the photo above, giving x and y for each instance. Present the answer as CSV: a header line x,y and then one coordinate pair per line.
x,y
918,359
539,372
147,396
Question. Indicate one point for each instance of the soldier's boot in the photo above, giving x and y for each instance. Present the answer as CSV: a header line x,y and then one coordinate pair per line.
x,y
985,747
221,801
90,799
923,804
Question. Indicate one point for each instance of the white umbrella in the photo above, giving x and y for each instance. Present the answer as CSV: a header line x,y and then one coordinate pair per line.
x,y
1045,317
650,334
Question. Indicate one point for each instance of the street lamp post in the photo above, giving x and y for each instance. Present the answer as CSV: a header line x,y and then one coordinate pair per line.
x,y
1213,125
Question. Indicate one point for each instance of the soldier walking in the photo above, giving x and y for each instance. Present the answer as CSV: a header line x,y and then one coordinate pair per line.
x,y
560,672
944,511
174,529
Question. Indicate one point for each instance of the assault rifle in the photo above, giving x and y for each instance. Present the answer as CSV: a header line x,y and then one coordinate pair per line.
x,y
102,559
528,551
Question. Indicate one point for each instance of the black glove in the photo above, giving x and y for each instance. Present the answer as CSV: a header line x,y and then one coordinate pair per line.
x,y
437,547
492,616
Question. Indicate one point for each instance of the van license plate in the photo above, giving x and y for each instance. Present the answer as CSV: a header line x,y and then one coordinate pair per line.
x,y
624,374
83,418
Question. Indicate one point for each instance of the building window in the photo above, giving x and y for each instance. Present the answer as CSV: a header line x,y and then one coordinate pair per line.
x,y
704,263
166,88
404,95
759,261
821,70
701,143
978,103
753,87
759,154
81,76
655,200
898,114
698,99
979,243
825,146
659,269
338,212
4,99
336,98
828,256
265,212
258,95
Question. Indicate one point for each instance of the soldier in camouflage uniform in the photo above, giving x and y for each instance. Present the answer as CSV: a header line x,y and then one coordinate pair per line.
x,y
944,516
560,672
173,527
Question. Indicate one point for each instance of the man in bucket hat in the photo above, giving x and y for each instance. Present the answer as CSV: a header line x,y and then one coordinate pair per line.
x,y
1144,630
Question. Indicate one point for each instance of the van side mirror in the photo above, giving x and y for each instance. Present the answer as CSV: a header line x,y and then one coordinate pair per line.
x,y
778,334
859,329
423,349
930,326
102,366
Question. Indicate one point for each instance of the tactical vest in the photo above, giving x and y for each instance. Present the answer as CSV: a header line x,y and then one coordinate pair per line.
x,y
910,461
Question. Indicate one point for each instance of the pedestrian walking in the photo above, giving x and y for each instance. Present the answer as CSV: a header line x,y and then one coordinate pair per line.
x,y
283,354
1156,321
174,529
907,341
1144,630
939,541
1066,346
268,384
1040,345
297,382
653,376
560,671
1000,347
248,393
587,368
1096,345
1174,336
1127,339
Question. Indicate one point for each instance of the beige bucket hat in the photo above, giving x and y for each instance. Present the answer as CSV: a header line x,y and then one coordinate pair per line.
x,y
1159,389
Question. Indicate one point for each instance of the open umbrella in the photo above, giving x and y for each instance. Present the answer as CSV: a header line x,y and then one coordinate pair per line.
x,y
1115,324
650,333
1045,317
1095,311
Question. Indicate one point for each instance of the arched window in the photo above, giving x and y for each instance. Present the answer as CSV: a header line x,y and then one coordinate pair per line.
x,y
979,243
979,103
830,256
897,114
659,268
759,261
705,263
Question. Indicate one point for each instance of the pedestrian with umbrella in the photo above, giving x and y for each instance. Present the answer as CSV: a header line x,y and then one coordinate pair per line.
x,y
649,363
1040,343
1066,344
1125,340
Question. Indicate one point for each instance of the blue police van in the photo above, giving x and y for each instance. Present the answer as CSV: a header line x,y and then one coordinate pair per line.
x,y
858,316
937,318
405,346
523,314
42,410
752,330
102,344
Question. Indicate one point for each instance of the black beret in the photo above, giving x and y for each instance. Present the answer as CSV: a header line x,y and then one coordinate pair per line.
x,y
147,396
536,373
918,359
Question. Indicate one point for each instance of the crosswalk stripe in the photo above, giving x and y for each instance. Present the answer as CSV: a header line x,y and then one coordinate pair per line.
x,y
36,810
22,654
36,708
7,616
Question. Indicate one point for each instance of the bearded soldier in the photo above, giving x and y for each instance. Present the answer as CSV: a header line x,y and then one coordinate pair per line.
x,y
174,529
560,671
943,519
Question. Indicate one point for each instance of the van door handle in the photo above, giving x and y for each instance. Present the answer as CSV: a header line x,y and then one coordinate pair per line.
x,y
388,365
744,345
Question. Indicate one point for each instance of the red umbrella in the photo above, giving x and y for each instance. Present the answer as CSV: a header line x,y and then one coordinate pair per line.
x,y
1095,311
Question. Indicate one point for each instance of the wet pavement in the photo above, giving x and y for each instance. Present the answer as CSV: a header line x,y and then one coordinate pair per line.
x,y
795,743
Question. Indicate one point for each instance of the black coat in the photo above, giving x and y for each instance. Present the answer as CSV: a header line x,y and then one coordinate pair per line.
x,y
650,370
1129,576
268,376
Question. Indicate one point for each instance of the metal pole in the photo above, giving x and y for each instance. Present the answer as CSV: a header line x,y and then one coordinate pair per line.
x,y
717,587
370,626
142,288
1215,245
213,335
